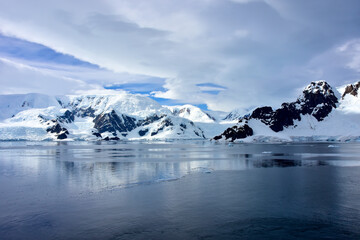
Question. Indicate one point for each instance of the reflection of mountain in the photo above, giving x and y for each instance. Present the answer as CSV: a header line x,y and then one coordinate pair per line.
x,y
51,188
103,166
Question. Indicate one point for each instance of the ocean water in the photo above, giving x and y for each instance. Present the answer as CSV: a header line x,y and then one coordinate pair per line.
x,y
179,190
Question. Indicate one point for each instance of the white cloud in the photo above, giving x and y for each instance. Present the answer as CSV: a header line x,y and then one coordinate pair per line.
x,y
245,1
240,33
259,50
21,78
351,50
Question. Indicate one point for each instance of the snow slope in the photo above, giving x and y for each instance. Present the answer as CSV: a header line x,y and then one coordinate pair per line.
x,y
338,126
208,121
192,113
13,104
130,104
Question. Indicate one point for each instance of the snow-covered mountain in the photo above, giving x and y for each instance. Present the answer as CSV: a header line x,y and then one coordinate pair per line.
x,y
108,117
210,122
237,114
13,104
234,115
192,113
320,113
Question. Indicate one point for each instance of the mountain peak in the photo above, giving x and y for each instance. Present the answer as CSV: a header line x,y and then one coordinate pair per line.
x,y
319,87
192,113
318,94
318,100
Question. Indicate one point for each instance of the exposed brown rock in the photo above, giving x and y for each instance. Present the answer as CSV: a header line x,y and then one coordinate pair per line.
x,y
351,89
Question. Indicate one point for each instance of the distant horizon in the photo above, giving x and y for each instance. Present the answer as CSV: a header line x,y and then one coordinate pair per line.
x,y
170,102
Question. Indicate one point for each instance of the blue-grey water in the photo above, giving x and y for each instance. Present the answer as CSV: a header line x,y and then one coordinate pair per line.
x,y
179,190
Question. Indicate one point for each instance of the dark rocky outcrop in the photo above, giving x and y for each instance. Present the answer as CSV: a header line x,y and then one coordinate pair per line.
x,y
317,100
150,119
263,113
67,117
284,117
59,131
84,112
111,138
62,135
236,132
113,123
165,123
143,132
96,133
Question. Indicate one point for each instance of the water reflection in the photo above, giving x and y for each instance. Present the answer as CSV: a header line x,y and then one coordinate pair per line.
x,y
98,166
296,190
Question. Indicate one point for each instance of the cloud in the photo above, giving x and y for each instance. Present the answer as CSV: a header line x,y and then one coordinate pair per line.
x,y
21,78
339,64
351,51
259,51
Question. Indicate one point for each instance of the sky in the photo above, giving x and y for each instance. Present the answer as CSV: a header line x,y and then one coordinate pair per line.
x,y
217,54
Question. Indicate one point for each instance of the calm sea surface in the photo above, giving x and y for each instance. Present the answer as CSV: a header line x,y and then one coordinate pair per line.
x,y
179,190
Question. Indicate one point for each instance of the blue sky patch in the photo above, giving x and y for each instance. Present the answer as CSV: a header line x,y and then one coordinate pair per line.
x,y
212,92
212,85
142,88
170,102
25,50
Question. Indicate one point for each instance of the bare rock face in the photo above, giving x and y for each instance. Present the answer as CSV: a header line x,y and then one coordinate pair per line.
x,y
317,100
67,117
263,113
351,89
164,123
150,119
56,129
236,132
233,116
113,123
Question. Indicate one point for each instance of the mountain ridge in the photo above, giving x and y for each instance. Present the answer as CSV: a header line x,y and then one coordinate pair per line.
x,y
319,113
314,108
91,117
